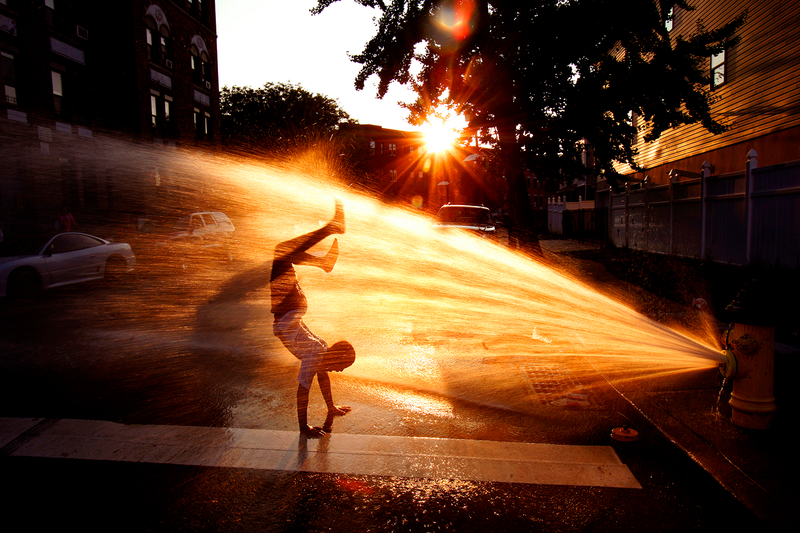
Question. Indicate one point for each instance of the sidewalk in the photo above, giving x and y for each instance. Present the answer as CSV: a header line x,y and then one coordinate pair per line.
x,y
754,465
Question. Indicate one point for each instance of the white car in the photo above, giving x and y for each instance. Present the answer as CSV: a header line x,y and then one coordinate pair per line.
x,y
66,258
205,224
192,240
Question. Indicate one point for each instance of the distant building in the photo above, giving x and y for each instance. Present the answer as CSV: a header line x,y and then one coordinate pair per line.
x,y
537,191
405,172
396,160
75,71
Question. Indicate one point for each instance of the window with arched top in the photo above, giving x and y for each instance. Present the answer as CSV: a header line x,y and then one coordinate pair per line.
x,y
158,37
201,63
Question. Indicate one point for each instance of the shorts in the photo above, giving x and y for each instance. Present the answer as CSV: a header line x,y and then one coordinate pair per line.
x,y
303,344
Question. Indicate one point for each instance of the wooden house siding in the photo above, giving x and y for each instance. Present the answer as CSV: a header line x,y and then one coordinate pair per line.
x,y
760,98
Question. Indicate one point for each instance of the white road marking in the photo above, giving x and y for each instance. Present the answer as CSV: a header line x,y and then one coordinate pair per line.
x,y
414,457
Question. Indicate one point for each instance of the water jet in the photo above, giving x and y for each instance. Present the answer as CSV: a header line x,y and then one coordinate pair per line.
x,y
449,315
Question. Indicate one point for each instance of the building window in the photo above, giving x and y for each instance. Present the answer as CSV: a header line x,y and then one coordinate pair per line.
x,y
197,9
159,47
158,37
196,76
392,149
668,20
372,147
202,125
11,95
718,69
201,69
161,112
58,91
154,110
9,77
392,176
169,123
633,121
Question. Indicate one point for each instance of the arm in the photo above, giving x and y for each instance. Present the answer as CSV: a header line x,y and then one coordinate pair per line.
x,y
302,414
325,386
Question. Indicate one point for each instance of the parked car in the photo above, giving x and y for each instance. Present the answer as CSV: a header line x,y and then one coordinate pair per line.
x,y
192,239
205,224
474,218
30,266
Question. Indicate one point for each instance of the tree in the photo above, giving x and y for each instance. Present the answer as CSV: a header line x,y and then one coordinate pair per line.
x,y
547,76
279,116
289,122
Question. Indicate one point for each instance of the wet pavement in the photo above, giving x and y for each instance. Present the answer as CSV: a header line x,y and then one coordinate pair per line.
x,y
754,465
337,453
162,378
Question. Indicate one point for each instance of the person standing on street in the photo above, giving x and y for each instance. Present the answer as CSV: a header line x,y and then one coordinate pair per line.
x,y
66,220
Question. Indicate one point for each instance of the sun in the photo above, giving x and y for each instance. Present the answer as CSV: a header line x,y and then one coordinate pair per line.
x,y
441,135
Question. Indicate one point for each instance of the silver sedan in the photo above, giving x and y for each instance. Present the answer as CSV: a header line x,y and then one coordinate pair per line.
x,y
63,259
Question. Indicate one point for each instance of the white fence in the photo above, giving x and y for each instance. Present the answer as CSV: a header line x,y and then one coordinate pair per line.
x,y
752,216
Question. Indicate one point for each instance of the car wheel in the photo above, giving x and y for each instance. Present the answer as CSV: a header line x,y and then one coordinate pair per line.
x,y
115,269
23,282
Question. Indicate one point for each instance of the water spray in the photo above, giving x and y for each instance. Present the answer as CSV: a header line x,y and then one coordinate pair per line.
x,y
447,314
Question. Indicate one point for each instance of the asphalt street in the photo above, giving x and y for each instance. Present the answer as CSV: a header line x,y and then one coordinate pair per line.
x,y
118,406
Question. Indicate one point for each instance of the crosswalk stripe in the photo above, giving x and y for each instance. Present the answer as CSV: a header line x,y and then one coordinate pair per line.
x,y
413,457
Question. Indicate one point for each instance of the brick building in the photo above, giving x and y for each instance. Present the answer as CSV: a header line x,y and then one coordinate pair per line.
x,y
405,172
395,160
77,73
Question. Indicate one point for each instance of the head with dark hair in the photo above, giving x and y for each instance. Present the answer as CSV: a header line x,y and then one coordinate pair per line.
x,y
339,356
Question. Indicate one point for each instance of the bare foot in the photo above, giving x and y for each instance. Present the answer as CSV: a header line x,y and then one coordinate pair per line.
x,y
330,258
337,224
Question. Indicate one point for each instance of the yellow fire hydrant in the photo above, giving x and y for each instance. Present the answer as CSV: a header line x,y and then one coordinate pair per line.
x,y
752,342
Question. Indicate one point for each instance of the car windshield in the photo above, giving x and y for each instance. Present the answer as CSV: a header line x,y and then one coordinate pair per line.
x,y
154,226
182,224
463,215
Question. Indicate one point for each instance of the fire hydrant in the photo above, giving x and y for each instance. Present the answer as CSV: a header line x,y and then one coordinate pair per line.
x,y
752,346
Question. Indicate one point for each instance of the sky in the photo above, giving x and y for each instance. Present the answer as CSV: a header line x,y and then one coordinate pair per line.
x,y
261,41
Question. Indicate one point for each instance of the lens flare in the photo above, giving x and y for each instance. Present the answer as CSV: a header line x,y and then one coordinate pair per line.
x,y
458,19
